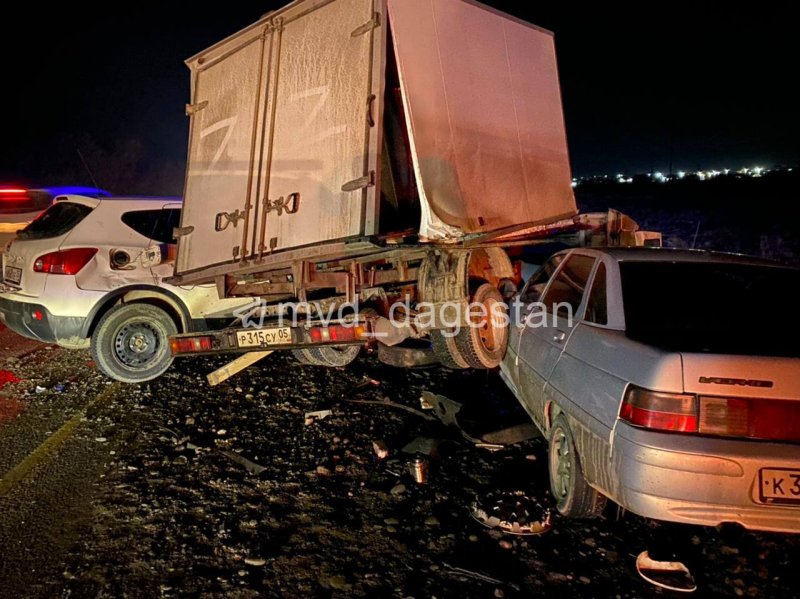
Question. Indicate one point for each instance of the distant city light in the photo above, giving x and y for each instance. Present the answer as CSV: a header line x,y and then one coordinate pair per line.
x,y
700,175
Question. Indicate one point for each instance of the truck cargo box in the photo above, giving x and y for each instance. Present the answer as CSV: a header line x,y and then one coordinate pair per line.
x,y
336,122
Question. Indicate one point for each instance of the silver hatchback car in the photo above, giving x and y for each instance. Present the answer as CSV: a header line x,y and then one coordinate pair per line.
x,y
667,381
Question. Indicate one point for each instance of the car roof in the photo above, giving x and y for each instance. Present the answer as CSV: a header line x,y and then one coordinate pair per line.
x,y
140,200
656,254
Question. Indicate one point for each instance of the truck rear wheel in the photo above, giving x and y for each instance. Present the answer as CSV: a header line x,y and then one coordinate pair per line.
x,y
331,356
483,343
444,346
131,345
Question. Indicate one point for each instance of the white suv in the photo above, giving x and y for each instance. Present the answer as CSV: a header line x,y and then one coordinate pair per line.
x,y
88,272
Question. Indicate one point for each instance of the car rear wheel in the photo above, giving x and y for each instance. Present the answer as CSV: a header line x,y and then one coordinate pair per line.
x,y
574,497
131,345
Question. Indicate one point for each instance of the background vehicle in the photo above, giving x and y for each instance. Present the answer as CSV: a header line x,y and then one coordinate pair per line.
x,y
20,205
674,388
357,176
89,272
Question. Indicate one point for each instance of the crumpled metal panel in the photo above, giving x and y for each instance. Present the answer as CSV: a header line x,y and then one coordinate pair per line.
x,y
320,125
482,96
220,151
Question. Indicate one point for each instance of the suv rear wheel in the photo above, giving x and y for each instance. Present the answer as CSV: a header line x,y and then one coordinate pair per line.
x,y
131,345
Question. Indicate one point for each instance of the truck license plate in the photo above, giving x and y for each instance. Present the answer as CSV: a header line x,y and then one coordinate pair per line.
x,y
263,337
780,485
13,275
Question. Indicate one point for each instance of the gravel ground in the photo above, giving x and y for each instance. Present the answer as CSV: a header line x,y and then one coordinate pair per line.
x,y
143,501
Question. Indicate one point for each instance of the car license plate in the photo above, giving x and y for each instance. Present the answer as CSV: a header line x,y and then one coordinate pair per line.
x,y
13,275
779,485
263,337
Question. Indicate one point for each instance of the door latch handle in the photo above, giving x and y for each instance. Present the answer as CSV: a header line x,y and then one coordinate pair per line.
x,y
559,337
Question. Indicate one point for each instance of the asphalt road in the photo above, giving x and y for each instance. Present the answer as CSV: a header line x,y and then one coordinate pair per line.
x,y
112,490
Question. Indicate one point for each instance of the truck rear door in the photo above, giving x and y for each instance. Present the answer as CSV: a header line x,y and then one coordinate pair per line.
x,y
281,122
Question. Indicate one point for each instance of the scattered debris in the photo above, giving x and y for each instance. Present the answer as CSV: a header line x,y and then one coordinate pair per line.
x,y
312,417
255,561
101,439
418,467
235,367
249,465
6,377
512,435
398,490
423,445
477,576
673,576
424,403
381,449
391,404
40,389
513,512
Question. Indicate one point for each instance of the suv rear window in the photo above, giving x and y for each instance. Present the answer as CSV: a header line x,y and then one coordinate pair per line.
x,y
157,225
57,220
712,307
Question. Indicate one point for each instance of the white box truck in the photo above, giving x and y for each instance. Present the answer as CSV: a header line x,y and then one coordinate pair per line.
x,y
385,152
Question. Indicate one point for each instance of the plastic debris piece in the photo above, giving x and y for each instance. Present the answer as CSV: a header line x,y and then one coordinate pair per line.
x,y
6,377
255,561
312,417
422,445
512,512
40,389
249,465
381,449
673,576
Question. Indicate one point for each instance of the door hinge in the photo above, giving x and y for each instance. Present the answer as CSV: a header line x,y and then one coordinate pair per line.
x,y
195,108
179,232
360,183
373,23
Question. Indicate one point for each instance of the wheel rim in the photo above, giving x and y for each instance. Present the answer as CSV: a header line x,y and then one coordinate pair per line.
x,y
561,464
136,344
490,326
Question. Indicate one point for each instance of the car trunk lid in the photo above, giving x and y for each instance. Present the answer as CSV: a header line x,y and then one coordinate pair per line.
x,y
741,376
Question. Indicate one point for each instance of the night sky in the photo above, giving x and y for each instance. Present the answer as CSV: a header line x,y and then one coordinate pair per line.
x,y
710,84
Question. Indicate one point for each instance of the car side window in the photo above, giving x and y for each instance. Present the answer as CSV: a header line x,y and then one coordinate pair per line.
x,y
597,304
538,281
566,291
157,225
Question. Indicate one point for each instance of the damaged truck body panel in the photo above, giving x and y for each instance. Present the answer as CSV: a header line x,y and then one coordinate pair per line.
x,y
445,116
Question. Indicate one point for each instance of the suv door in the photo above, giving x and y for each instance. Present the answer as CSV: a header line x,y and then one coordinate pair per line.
x,y
548,327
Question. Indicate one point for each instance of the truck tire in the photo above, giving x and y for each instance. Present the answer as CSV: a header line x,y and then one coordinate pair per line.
x,y
407,355
334,356
574,497
444,346
130,343
304,357
484,343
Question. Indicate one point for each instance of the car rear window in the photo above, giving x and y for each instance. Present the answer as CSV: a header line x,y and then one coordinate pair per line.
x,y
712,307
57,220
157,225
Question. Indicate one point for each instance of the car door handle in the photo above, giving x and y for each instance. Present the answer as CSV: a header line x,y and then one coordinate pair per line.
x,y
559,337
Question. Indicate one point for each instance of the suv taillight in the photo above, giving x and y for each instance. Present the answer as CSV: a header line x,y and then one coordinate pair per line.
x,y
64,262
744,418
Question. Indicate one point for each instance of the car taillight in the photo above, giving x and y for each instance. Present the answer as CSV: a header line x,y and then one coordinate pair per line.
x,y
741,418
191,345
672,412
338,333
767,419
64,262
